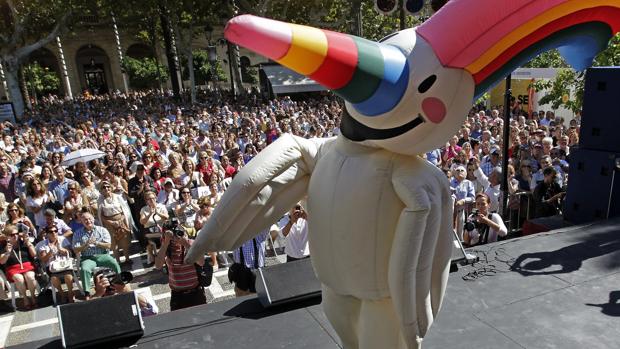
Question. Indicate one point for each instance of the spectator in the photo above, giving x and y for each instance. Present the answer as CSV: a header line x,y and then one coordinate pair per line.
x,y
7,182
17,258
186,210
296,234
137,186
548,194
185,290
51,220
36,200
105,287
59,187
52,248
152,216
487,226
92,243
17,218
250,256
463,192
201,218
74,203
491,161
169,195
114,214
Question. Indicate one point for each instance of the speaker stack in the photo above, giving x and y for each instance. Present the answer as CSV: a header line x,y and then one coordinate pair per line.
x,y
594,175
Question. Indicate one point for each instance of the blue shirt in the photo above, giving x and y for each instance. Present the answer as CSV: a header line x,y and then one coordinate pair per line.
x,y
464,190
248,251
82,236
60,190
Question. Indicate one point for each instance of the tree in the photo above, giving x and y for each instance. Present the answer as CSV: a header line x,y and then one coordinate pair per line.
x,y
26,26
567,79
144,73
205,70
40,79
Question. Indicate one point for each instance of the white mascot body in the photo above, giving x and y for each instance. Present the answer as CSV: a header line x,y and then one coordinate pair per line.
x,y
380,216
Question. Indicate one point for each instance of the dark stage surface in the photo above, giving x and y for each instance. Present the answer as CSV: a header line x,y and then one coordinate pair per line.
x,y
559,289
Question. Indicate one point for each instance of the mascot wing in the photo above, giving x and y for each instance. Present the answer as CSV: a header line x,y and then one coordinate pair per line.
x,y
267,187
421,250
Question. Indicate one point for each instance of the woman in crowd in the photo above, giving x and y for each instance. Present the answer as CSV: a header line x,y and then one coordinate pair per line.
x,y
89,190
158,178
115,216
201,218
74,202
175,169
190,178
17,218
52,248
118,180
152,217
36,200
17,258
47,175
186,210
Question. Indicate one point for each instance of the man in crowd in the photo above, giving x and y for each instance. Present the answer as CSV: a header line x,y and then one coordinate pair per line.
x,y
52,221
295,232
185,290
92,243
60,186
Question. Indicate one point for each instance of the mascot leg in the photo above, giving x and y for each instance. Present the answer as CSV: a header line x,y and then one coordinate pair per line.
x,y
343,314
379,325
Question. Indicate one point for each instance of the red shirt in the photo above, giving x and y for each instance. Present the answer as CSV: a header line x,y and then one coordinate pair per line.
x,y
180,276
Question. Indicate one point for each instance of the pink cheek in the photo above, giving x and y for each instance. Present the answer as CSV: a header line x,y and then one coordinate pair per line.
x,y
434,109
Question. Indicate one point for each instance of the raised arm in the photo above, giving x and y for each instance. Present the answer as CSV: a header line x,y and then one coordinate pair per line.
x,y
421,249
260,194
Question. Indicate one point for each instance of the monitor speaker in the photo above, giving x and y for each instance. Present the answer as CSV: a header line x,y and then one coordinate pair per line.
x,y
600,118
287,282
101,321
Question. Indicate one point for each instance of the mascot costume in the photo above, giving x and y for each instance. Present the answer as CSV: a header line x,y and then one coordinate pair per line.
x,y
380,216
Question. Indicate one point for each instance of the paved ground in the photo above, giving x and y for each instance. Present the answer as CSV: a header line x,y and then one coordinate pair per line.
x,y
20,327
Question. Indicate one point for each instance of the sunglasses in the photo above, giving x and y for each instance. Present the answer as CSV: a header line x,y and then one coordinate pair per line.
x,y
185,192
13,234
12,210
107,186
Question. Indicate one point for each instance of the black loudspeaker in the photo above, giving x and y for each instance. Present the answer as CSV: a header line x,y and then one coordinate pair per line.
x,y
601,115
594,186
98,322
287,282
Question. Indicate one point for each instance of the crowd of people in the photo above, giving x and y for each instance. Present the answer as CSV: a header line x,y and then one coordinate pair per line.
x,y
165,159
537,170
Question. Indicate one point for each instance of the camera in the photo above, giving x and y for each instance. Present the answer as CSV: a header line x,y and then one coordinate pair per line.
x,y
173,226
123,278
471,223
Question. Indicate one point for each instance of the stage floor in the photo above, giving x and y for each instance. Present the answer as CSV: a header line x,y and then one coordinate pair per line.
x,y
559,289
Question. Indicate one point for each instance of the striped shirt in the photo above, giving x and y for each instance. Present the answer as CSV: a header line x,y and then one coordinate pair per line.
x,y
180,276
82,236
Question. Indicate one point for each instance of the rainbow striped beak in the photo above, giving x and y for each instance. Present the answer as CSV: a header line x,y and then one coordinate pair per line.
x,y
371,76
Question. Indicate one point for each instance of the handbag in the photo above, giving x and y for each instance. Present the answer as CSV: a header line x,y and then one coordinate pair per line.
x,y
205,274
243,277
61,264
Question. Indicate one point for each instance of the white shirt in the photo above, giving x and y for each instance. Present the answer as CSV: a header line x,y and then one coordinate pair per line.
x,y
296,242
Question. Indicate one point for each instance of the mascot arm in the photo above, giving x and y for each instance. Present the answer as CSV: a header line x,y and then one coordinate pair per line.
x,y
266,188
421,250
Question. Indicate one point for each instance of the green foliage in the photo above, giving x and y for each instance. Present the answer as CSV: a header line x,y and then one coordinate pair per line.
x,y
549,59
568,79
41,79
249,75
482,99
561,86
143,72
203,70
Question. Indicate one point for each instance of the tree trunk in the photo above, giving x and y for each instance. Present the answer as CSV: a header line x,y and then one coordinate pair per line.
x,y
11,73
237,70
172,66
192,77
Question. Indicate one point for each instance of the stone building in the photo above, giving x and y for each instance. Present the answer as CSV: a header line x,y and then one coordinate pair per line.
x,y
92,59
